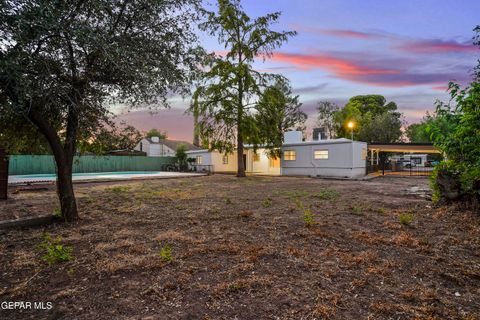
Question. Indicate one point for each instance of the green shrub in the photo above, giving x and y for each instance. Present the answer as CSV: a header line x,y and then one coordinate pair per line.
x,y
234,287
327,194
267,203
405,218
55,251
308,217
455,132
165,253
119,189
57,212
357,210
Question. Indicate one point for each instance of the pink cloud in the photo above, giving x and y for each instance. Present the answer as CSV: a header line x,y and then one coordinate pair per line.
x,y
437,46
376,72
342,33
342,67
349,34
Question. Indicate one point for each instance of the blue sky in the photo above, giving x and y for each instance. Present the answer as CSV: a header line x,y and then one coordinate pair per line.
x,y
405,50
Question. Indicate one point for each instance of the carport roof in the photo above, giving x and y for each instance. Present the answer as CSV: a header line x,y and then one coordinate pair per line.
x,y
403,147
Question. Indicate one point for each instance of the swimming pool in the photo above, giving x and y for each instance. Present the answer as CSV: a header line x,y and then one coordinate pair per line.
x,y
121,175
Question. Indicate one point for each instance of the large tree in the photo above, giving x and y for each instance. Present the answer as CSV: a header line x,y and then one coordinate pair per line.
x,y
110,138
455,131
228,97
61,62
19,136
457,134
374,119
326,117
476,41
278,110
156,133
418,132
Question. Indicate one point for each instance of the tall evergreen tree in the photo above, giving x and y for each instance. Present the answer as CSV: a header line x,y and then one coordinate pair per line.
x,y
231,89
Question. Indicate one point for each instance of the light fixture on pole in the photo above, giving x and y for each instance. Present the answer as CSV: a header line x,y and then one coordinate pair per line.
x,y
350,125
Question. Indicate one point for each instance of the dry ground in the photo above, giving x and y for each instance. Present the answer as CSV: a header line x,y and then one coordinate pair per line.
x,y
241,250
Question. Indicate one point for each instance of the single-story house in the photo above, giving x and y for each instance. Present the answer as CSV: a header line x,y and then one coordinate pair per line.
x,y
322,158
156,147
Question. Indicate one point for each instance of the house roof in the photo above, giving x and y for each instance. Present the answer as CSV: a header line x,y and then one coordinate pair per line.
x,y
173,144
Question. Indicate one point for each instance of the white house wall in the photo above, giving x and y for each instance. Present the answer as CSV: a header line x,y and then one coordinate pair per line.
x,y
262,166
219,166
155,149
145,146
338,164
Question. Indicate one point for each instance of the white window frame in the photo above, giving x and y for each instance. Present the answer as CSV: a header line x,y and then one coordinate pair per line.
x,y
321,154
290,155
198,159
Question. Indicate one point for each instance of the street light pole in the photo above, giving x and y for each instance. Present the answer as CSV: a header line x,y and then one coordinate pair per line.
x,y
351,125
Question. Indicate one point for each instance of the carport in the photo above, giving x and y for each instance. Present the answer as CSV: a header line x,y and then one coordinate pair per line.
x,y
379,164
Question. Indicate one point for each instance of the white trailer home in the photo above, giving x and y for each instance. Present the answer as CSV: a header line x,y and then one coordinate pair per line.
x,y
340,158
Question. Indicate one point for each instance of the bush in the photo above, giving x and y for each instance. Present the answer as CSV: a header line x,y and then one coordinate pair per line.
x,y
405,218
455,132
55,250
267,203
166,253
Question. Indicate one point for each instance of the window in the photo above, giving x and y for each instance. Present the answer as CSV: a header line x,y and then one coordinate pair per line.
x,y
320,154
225,160
141,146
256,157
198,160
289,155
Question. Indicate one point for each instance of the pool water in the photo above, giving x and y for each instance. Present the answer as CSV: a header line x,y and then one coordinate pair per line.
x,y
53,175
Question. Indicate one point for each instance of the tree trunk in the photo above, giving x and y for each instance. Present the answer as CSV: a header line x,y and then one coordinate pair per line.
x,y
64,162
241,165
68,203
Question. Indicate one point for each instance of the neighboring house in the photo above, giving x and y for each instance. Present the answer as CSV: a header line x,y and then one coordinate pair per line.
x,y
322,158
156,147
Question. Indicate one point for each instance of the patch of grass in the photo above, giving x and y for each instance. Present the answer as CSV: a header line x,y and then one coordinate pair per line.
x,y
296,194
424,241
234,287
357,210
382,211
405,218
267,202
55,251
308,218
327,194
119,189
71,271
228,200
57,213
165,253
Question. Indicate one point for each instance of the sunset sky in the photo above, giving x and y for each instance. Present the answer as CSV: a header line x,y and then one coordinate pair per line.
x,y
405,50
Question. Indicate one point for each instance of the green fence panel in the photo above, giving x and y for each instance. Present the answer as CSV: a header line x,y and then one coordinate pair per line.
x,y
45,164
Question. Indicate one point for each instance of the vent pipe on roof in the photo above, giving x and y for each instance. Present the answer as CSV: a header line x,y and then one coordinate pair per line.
x,y
292,137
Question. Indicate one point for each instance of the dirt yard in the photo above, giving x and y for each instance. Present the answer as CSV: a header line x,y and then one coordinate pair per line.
x,y
219,247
